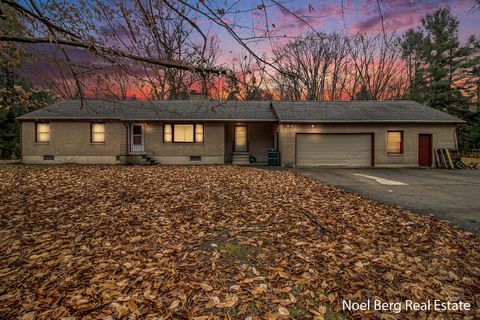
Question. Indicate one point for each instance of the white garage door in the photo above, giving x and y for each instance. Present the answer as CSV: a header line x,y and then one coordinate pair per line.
x,y
353,150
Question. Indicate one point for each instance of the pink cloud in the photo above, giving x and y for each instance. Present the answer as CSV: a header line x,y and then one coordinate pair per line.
x,y
397,15
298,20
258,14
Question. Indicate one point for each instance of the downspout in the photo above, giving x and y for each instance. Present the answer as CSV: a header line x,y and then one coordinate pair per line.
x,y
126,138
21,141
278,133
126,145
455,136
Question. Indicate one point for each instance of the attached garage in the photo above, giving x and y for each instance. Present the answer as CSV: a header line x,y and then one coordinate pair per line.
x,y
320,149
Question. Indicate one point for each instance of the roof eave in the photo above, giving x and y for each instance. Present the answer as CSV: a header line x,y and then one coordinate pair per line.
x,y
373,121
140,119
64,119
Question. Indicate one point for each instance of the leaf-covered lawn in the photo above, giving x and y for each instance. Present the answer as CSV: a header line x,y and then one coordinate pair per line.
x,y
215,242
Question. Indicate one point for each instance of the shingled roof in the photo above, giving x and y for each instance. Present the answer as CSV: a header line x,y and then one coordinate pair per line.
x,y
359,111
274,111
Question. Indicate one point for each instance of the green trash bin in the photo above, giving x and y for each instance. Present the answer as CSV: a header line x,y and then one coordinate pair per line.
x,y
272,156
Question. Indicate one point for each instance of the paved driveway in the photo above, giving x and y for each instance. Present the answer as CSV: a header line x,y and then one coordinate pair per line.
x,y
449,195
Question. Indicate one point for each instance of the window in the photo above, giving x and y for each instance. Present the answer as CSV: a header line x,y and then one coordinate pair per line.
x,y
137,134
42,133
97,132
198,133
395,142
183,133
167,133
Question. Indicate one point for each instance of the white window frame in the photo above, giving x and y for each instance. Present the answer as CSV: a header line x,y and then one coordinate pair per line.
x,y
37,127
402,141
137,147
92,132
168,133
198,133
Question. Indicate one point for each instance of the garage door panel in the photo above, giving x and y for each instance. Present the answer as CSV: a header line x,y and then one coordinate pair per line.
x,y
334,150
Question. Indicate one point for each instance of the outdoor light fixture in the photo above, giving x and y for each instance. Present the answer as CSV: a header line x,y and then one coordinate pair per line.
x,y
313,126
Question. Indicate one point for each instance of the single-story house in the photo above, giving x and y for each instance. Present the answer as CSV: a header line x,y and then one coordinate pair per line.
x,y
306,133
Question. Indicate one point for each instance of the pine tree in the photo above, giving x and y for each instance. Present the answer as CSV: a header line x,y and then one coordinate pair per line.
x,y
444,56
363,94
17,97
444,73
413,53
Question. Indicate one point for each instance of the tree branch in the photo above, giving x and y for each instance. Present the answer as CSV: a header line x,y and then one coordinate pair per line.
x,y
115,52
42,19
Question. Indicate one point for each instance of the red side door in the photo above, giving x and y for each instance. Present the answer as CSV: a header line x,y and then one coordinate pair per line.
x,y
425,150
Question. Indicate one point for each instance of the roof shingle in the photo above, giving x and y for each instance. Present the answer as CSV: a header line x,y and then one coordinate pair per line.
x,y
174,110
359,111
207,110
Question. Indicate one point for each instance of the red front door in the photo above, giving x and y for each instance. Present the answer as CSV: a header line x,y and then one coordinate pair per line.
x,y
425,150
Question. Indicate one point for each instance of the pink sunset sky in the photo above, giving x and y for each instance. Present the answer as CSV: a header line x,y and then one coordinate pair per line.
x,y
347,16
330,16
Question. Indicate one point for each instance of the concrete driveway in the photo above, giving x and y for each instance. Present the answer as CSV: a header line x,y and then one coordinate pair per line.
x,y
449,195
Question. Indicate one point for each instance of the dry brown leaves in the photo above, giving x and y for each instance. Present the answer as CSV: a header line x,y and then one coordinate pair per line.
x,y
215,242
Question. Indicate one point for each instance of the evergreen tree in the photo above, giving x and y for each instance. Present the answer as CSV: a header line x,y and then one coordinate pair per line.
x,y
444,73
413,53
444,56
469,76
17,97
363,94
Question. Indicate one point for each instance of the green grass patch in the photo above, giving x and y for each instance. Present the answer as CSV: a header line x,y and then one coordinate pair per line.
x,y
333,315
298,311
237,250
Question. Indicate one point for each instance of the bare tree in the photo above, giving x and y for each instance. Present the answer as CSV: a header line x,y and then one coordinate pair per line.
x,y
162,44
62,83
155,33
338,69
250,79
317,63
376,64
208,57
154,29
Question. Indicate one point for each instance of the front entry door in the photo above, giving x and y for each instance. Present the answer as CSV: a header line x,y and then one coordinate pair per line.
x,y
137,138
241,138
425,150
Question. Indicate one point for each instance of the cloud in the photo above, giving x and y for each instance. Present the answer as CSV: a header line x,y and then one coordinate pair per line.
x,y
48,58
399,15
297,20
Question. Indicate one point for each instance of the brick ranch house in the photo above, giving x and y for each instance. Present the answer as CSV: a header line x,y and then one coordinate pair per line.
x,y
306,133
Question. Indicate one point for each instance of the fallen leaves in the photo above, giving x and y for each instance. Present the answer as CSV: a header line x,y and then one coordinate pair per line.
x,y
206,287
229,302
319,313
262,288
283,311
174,305
215,242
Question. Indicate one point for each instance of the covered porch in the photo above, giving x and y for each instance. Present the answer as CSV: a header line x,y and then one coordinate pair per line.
x,y
248,142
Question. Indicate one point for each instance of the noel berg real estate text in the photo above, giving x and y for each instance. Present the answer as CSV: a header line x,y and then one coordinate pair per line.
x,y
407,305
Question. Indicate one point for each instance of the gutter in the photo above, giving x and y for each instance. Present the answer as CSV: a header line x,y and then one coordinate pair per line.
x,y
243,120
21,142
145,120
373,121
20,119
